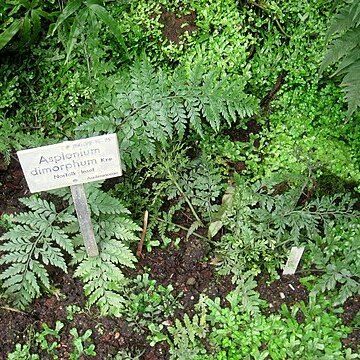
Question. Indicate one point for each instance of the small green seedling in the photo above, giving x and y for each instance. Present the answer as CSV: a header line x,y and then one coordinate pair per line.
x,y
80,344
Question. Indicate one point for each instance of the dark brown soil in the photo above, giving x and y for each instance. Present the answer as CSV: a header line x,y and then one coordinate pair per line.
x,y
12,187
351,308
287,290
175,26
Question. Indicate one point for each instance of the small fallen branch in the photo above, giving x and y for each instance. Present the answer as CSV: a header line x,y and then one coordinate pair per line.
x,y
141,243
13,310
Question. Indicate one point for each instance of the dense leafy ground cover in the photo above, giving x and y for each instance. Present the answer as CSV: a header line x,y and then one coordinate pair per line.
x,y
236,139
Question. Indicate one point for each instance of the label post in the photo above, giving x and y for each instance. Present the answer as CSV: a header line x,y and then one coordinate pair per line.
x,y
73,163
83,215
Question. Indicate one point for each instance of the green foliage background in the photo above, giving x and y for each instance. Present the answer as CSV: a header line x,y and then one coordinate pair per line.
x,y
241,123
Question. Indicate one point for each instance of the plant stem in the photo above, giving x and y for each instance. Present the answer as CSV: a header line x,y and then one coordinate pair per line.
x,y
186,198
183,228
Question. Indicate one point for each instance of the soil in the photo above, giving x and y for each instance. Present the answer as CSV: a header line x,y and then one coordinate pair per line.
x,y
12,186
175,26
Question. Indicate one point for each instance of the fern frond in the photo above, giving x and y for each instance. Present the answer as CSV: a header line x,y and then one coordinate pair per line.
x,y
189,331
35,219
16,234
35,240
50,255
98,125
351,83
337,255
151,107
262,224
37,204
345,50
350,59
119,228
340,47
104,280
340,23
104,283
118,253
100,202
114,231
39,238
355,12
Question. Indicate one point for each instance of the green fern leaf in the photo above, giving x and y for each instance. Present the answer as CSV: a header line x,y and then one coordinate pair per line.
x,y
35,203
17,233
36,220
352,58
340,23
30,244
62,239
12,273
189,327
98,125
118,253
355,12
101,202
103,284
340,47
351,83
151,107
346,50
40,272
193,108
178,115
120,228
51,255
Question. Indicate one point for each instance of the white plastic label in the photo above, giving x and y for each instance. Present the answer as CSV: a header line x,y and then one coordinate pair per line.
x,y
71,163
293,260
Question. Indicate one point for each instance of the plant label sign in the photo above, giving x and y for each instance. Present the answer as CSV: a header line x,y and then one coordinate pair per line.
x,y
293,260
73,163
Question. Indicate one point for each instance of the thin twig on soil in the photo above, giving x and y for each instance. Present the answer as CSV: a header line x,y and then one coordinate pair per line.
x,y
13,310
141,243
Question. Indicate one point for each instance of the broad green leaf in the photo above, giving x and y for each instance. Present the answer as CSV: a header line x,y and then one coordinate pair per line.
x,y
26,29
108,20
10,32
36,24
214,228
71,7
75,30
46,15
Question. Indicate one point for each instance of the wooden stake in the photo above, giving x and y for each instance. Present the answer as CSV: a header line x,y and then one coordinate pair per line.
x,y
141,243
83,215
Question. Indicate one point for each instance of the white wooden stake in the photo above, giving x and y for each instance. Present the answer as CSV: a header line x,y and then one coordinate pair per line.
x,y
83,215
